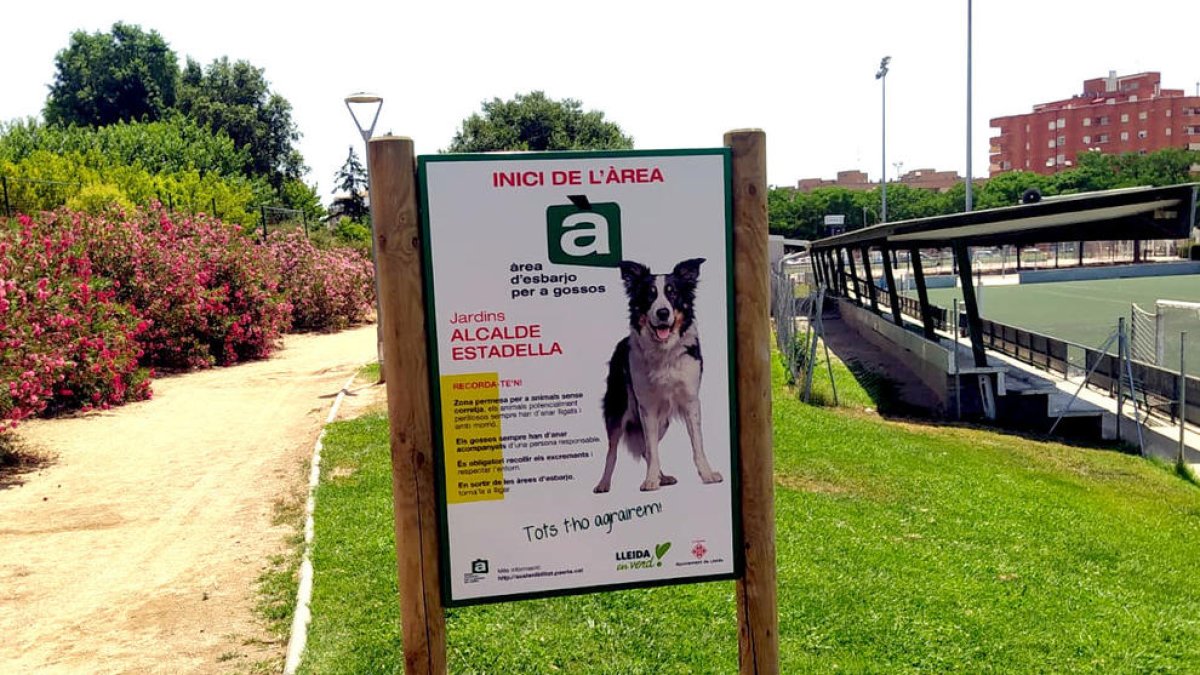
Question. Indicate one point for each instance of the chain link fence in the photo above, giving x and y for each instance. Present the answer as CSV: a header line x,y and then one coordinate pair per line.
x,y
25,195
271,218
796,301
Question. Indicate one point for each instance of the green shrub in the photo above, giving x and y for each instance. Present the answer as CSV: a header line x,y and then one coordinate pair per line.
x,y
98,198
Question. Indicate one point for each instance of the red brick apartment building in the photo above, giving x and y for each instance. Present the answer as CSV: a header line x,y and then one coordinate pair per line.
x,y
929,179
1113,115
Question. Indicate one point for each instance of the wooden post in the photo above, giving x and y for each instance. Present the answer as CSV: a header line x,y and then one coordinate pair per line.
x,y
393,186
758,612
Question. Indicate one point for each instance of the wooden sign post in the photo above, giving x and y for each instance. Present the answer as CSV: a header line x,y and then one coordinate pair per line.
x,y
758,611
392,171
395,205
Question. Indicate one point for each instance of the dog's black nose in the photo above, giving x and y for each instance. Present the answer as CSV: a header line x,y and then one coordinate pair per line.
x,y
663,313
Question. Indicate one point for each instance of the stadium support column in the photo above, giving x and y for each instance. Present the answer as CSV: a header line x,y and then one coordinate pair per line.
x,y
914,256
890,278
974,325
854,276
870,279
841,273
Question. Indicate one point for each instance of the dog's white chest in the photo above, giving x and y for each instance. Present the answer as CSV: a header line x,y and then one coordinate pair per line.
x,y
667,381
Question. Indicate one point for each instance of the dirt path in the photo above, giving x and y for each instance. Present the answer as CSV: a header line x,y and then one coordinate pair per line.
x,y
137,549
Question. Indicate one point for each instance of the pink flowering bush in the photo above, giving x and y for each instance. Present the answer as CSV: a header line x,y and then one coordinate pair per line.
x,y
65,342
329,289
89,303
211,295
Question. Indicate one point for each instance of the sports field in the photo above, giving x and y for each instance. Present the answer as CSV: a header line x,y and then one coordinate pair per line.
x,y
1086,312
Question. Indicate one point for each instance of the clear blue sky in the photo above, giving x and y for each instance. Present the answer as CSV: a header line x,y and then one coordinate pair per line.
x,y
672,74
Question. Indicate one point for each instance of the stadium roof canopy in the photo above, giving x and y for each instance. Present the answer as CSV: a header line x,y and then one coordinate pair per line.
x,y
1130,214
1133,213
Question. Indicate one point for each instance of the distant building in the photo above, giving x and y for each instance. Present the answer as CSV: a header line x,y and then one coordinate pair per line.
x,y
1113,115
927,179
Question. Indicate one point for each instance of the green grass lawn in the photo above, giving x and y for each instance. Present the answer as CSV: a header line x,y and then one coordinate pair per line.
x,y
1086,312
901,548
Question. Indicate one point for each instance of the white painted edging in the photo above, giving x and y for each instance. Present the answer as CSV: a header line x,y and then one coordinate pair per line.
x,y
303,615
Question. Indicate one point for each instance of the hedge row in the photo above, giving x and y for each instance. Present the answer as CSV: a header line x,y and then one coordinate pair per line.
x,y
91,305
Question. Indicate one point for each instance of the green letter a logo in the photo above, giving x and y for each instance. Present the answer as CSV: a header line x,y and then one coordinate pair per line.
x,y
584,233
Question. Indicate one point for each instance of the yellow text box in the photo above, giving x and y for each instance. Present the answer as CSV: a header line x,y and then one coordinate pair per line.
x,y
471,448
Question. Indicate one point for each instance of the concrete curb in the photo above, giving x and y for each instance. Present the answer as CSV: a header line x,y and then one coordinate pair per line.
x,y
302,615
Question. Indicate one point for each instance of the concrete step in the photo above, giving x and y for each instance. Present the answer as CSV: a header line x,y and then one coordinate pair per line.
x,y
1058,402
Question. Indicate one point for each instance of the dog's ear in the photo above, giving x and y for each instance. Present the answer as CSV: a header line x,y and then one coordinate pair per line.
x,y
688,270
633,272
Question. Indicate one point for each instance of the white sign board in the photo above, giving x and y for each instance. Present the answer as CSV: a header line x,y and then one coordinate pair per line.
x,y
581,338
835,220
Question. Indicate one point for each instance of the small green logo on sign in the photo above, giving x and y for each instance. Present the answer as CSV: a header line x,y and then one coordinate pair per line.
x,y
584,234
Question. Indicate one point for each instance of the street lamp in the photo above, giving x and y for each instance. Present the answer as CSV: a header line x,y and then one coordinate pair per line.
x,y
881,75
970,186
364,101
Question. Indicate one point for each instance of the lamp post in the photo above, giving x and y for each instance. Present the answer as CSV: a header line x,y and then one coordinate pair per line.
x,y
881,75
970,199
363,101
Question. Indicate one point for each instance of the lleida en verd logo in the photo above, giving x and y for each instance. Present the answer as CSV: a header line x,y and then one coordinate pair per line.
x,y
641,558
583,233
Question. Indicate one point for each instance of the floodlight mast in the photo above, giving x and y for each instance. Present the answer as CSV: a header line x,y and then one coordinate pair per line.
x,y
881,75
363,98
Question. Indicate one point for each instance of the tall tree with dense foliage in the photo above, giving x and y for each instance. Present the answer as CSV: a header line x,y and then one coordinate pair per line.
x,y
351,182
534,122
235,98
103,78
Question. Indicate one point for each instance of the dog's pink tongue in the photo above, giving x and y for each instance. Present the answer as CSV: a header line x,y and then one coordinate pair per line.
x,y
662,334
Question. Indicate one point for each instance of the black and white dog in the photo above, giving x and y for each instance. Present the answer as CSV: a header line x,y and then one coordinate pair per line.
x,y
654,374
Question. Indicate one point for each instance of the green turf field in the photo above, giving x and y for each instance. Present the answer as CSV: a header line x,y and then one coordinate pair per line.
x,y
1086,312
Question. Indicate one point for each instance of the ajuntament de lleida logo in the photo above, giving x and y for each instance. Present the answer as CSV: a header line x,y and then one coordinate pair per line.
x,y
584,233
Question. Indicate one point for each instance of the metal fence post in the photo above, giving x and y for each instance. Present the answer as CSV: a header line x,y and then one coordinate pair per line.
x,y
7,205
262,210
1182,396
1120,357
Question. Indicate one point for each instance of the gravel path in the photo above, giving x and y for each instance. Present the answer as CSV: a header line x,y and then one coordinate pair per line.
x,y
137,549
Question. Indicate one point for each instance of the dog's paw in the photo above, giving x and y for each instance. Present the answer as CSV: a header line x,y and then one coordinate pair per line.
x,y
664,480
712,477
649,485
600,488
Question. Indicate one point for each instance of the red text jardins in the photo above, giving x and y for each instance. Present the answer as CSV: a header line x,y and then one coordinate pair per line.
x,y
606,176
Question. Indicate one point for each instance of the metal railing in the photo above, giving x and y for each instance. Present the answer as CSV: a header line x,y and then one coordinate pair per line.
x,y
1159,387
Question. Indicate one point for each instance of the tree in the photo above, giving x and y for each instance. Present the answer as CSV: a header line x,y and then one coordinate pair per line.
x,y
1007,188
103,78
534,122
351,180
235,98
